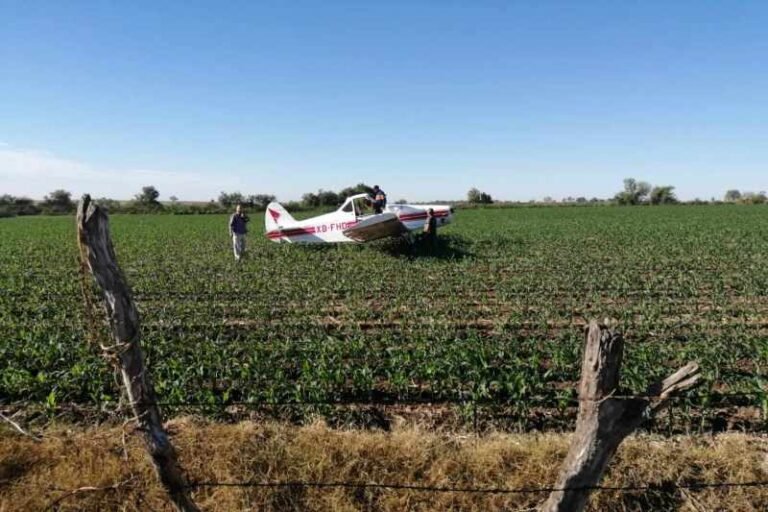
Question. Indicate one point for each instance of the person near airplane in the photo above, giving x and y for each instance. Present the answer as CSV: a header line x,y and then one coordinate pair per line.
x,y
379,201
237,230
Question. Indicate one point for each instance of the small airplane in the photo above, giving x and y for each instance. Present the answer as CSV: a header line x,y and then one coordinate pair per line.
x,y
354,221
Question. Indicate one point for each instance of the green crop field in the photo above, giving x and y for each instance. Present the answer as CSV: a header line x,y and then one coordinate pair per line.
x,y
494,315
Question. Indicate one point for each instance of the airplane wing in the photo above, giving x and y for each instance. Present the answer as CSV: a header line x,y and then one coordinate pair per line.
x,y
378,226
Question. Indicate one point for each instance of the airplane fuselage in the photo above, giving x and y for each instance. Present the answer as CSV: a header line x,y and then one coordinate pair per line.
x,y
330,227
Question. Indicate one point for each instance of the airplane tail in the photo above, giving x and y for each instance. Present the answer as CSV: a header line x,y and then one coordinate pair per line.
x,y
276,217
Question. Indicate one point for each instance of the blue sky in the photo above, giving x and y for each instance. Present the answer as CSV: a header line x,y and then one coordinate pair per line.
x,y
521,99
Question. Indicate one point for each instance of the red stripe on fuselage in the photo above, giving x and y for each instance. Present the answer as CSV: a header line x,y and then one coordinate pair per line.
x,y
422,215
309,230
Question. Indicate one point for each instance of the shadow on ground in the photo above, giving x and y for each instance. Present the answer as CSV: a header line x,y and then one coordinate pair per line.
x,y
445,247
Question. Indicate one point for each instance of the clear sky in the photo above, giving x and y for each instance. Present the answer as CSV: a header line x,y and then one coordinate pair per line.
x,y
427,99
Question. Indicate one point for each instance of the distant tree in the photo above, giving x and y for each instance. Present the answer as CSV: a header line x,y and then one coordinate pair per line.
x,y
331,198
401,201
547,200
110,205
475,196
260,201
148,196
228,200
663,195
732,196
635,192
754,198
6,206
581,200
294,206
10,206
328,198
310,200
173,199
26,206
360,188
59,201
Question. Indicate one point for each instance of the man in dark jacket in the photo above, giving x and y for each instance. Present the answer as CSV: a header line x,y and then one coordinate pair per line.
x,y
237,230
379,199
430,229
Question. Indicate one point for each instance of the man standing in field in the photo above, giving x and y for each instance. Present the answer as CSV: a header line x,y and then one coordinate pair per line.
x,y
430,229
237,230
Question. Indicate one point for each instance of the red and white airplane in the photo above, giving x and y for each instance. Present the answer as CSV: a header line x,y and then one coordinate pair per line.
x,y
354,221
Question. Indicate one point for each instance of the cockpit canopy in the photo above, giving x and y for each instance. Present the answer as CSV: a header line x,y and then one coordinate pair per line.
x,y
359,204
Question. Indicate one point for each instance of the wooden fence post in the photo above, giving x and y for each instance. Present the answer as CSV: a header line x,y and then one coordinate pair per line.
x,y
97,252
605,421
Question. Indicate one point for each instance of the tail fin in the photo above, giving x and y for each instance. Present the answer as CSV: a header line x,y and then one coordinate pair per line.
x,y
276,217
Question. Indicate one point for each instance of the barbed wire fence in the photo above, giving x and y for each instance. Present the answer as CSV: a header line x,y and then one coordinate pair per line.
x,y
651,487
664,487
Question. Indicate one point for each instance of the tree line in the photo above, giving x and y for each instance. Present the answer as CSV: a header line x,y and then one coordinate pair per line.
x,y
147,200
639,192
737,196
60,202
310,200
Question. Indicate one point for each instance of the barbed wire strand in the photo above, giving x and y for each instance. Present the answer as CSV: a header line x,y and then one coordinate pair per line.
x,y
522,490
446,489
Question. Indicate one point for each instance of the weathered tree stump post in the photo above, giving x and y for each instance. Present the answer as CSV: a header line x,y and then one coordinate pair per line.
x,y
604,421
97,252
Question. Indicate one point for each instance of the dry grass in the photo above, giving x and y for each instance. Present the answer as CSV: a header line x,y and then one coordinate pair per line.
x,y
37,474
